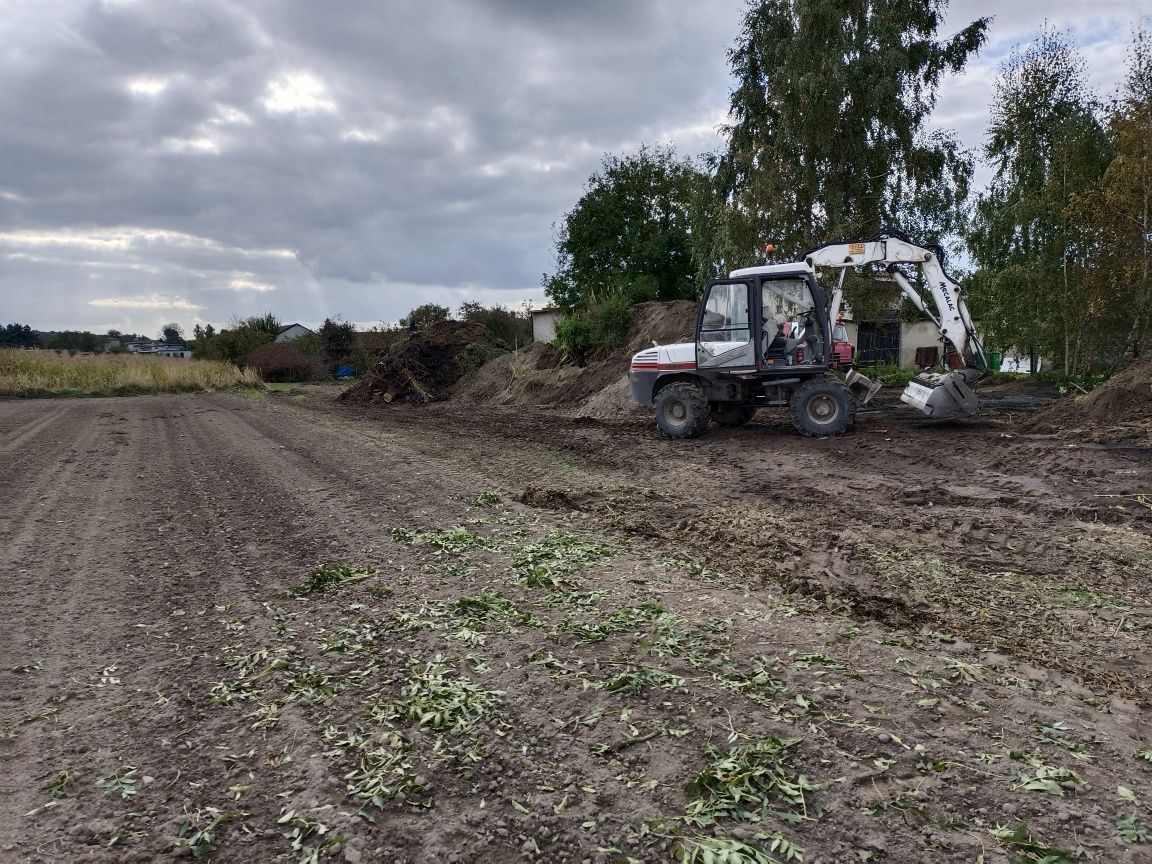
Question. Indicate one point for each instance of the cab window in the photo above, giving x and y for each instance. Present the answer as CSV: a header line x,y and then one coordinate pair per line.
x,y
726,314
786,300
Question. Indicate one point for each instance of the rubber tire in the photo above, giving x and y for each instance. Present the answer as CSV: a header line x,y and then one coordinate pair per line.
x,y
732,415
822,407
681,411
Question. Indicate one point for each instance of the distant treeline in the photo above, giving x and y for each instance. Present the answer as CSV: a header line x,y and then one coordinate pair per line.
x,y
24,336
252,341
336,344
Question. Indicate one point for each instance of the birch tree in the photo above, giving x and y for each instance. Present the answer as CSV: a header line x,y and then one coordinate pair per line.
x,y
828,136
1048,148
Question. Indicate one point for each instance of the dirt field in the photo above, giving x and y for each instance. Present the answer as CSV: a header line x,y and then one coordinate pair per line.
x,y
258,629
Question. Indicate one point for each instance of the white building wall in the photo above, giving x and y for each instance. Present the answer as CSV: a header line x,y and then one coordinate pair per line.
x,y
918,334
544,323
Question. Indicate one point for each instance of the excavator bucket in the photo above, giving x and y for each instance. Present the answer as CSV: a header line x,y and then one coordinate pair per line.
x,y
947,394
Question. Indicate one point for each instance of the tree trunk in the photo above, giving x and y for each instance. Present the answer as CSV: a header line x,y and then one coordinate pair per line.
x,y
1140,318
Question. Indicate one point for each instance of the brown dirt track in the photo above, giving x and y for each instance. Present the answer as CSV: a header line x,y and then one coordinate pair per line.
x,y
949,621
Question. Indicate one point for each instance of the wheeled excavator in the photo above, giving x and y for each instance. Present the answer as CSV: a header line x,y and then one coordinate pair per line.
x,y
765,337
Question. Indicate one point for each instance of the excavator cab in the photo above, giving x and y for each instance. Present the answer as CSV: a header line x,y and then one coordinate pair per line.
x,y
792,331
762,324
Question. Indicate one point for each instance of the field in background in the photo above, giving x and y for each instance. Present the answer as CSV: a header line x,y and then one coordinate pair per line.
x,y
35,374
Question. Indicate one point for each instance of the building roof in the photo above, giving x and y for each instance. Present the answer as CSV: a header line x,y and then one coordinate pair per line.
x,y
288,327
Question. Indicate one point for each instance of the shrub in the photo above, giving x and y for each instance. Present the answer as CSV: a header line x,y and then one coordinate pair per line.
x,y
238,341
336,339
505,325
476,355
600,327
891,374
285,362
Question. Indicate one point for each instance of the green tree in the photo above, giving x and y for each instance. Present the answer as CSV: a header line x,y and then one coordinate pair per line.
x,y
171,333
827,137
18,336
507,325
235,343
423,317
1120,211
630,233
336,338
1030,244
74,340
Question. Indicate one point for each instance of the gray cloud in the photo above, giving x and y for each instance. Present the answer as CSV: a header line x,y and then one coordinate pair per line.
x,y
360,158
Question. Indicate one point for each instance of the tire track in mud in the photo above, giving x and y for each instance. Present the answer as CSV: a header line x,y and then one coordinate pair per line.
x,y
57,588
239,540
285,464
337,462
26,467
189,494
15,435
701,479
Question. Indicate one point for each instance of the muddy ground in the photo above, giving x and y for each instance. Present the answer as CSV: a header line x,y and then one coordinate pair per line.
x,y
273,628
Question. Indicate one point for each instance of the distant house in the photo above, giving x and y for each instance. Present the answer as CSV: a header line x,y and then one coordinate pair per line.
x,y
153,348
890,339
544,323
292,331
162,350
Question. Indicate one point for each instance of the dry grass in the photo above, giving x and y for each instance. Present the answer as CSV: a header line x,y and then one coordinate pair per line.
x,y
32,374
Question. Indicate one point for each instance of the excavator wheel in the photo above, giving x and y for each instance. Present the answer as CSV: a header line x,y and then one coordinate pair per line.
x,y
732,415
681,411
822,407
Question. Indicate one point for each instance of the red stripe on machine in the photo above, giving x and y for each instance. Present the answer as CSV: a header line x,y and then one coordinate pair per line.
x,y
663,367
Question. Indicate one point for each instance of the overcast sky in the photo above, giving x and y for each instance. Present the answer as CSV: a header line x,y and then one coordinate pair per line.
x,y
200,160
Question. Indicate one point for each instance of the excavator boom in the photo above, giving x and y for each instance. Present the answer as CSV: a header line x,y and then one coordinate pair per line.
x,y
936,394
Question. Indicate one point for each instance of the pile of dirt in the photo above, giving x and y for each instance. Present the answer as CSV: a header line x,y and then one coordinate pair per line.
x,y
424,366
1119,410
536,376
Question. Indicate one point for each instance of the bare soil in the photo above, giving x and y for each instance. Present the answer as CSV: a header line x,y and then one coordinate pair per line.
x,y
536,377
1119,410
556,639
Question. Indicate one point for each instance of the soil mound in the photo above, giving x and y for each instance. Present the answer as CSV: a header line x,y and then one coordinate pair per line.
x,y
510,379
1120,409
662,323
535,376
422,367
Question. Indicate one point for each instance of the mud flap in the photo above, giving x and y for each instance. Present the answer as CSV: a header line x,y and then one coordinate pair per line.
x,y
942,395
